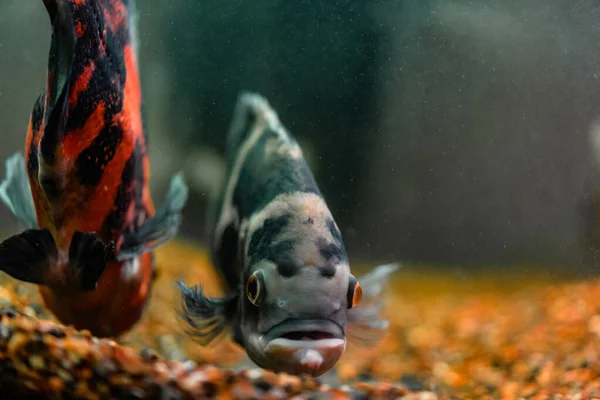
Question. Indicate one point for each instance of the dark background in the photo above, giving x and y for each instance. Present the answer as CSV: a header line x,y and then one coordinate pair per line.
x,y
451,132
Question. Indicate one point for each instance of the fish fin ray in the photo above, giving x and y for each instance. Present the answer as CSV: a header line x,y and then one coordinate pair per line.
x,y
15,191
206,317
159,228
88,257
365,324
28,256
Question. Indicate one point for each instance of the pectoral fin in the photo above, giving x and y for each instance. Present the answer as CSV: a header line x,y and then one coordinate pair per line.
x,y
15,191
28,256
365,324
205,317
88,256
159,228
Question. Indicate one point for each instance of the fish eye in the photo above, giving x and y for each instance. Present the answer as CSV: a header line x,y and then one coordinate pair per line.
x,y
354,292
255,288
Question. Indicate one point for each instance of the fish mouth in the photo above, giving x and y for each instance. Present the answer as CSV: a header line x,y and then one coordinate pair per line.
x,y
304,346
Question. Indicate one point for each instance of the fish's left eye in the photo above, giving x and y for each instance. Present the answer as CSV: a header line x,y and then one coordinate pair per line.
x,y
255,288
354,292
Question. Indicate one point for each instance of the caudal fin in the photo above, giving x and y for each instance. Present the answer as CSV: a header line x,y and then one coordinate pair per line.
x,y
28,256
15,191
159,228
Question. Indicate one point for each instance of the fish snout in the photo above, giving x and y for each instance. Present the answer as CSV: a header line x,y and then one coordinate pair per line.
x,y
304,346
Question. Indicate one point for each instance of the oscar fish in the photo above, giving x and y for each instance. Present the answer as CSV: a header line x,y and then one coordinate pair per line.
x,y
291,299
82,189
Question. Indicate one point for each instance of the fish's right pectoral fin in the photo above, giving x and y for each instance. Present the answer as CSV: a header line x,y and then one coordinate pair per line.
x,y
15,191
365,323
88,257
205,317
28,256
159,228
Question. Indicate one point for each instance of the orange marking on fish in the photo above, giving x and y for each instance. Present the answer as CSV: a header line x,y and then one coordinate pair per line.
x,y
80,29
81,83
133,100
78,140
101,201
78,2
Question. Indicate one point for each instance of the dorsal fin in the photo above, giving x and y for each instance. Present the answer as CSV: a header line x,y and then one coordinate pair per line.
x,y
249,109
60,65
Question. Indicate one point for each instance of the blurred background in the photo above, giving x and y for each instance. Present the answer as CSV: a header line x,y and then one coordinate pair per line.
x,y
440,132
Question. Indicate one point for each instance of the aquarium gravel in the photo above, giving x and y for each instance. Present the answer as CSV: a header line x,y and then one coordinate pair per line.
x,y
449,338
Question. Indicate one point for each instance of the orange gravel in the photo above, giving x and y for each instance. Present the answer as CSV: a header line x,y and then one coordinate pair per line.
x,y
496,337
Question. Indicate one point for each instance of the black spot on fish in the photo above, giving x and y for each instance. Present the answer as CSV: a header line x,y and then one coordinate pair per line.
x,y
37,114
263,178
287,269
327,271
32,161
262,245
309,221
92,161
331,252
50,187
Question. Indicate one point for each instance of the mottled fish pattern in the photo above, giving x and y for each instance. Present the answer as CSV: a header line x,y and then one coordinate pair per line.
x,y
86,160
291,294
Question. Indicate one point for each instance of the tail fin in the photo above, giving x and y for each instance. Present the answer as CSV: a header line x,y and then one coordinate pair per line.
x,y
60,65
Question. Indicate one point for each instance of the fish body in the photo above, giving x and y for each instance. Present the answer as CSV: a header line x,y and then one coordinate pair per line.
x,y
291,295
83,186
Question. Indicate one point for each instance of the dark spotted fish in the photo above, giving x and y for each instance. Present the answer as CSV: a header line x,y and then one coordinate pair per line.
x,y
83,187
291,294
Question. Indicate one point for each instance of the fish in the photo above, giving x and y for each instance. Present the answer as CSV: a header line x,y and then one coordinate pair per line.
x,y
82,187
291,300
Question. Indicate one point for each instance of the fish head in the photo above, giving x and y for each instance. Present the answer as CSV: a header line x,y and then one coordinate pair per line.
x,y
297,293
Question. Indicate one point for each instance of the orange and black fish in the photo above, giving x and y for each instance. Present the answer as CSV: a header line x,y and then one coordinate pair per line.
x,y
83,187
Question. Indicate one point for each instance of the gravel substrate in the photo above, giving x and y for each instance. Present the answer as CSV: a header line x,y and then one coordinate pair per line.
x,y
40,357
450,337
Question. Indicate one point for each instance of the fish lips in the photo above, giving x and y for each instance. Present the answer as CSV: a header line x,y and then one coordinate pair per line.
x,y
300,346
